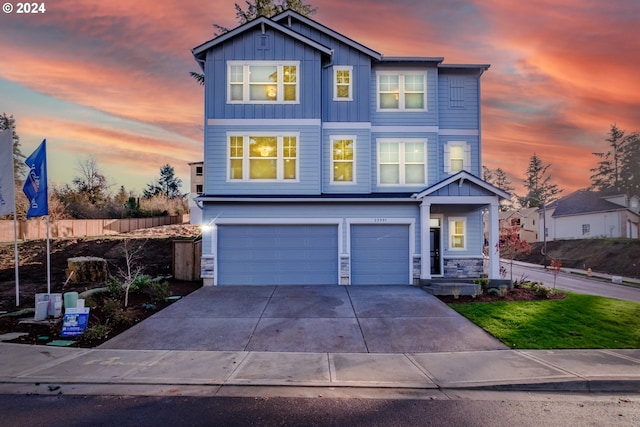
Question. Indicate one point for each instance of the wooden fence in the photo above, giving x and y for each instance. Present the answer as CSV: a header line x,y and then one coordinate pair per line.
x,y
37,228
186,259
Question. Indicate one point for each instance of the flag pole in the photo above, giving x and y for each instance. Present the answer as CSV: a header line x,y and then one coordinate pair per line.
x,y
15,252
48,260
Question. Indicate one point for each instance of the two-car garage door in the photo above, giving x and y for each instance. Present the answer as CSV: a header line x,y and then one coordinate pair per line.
x,y
278,254
308,254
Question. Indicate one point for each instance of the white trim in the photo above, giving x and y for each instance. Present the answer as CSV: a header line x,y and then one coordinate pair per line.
x,y
401,90
346,125
459,132
457,200
279,157
264,122
354,141
337,68
272,221
411,222
465,233
466,156
401,160
404,129
307,199
279,84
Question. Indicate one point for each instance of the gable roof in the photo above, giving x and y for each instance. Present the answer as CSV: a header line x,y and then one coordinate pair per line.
x,y
460,177
289,14
584,202
199,51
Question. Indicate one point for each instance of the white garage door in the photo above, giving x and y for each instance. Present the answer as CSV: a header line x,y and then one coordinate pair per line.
x,y
380,254
278,254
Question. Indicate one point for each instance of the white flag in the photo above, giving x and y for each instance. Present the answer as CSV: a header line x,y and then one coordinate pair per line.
x,y
7,183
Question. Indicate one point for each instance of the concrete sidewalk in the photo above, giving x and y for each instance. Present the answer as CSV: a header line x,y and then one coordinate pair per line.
x,y
52,370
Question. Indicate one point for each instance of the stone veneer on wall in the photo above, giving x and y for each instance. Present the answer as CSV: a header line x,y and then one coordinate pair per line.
x,y
463,267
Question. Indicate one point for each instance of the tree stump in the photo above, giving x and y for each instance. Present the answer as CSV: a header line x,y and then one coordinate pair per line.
x,y
87,269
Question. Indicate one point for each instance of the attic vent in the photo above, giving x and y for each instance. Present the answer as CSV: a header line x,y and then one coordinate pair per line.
x,y
262,42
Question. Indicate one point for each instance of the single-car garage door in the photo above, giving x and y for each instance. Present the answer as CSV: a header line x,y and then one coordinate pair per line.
x,y
379,254
278,254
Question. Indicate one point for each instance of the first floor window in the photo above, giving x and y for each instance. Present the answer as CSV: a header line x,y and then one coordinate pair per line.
x,y
342,158
402,163
263,157
457,233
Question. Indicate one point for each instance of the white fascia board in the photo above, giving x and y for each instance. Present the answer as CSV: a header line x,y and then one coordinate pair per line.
x,y
196,51
461,200
328,31
464,175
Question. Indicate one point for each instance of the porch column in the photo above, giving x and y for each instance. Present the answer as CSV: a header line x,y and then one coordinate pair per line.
x,y
425,240
494,236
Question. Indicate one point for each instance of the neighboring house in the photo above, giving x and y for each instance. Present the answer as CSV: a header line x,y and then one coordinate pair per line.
x,y
327,163
588,214
526,219
196,189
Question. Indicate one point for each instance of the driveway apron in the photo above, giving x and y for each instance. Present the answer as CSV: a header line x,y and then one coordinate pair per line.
x,y
332,319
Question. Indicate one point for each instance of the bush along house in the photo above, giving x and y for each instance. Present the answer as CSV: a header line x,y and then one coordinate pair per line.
x,y
327,163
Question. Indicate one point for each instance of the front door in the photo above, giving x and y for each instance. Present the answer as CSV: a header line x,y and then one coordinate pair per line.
x,y
435,252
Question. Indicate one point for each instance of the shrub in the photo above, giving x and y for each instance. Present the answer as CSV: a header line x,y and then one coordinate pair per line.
x,y
503,289
159,291
96,332
116,289
483,282
494,292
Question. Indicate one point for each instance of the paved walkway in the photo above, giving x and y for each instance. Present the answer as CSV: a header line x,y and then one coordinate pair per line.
x,y
46,370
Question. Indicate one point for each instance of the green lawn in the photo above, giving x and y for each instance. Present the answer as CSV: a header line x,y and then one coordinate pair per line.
x,y
578,321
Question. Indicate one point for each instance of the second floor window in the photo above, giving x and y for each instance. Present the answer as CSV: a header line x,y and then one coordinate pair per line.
x,y
262,82
401,91
342,159
402,163
263,158
343,83
457,157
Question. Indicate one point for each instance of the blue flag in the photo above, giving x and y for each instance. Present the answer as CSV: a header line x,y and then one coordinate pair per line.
x,y
35,186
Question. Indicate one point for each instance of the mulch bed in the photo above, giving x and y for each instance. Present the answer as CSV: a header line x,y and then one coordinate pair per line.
x,y
515,294
139,309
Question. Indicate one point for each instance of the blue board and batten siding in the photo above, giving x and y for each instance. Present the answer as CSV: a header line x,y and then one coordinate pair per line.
x,y
312,229
281,48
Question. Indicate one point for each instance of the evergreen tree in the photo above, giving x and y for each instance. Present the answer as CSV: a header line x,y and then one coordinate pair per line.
x,y
487,174
168,184
630,170
607,174
540,191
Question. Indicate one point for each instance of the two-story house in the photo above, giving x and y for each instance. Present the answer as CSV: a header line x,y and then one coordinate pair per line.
x,y
328,163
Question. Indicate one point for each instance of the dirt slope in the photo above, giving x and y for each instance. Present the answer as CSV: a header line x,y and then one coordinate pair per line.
x,y
155,256
612,256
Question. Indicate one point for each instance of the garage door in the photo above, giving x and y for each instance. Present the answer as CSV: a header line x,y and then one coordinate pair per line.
x,y
380,254
278,254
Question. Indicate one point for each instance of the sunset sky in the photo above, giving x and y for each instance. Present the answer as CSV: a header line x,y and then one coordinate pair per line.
x,y
110,78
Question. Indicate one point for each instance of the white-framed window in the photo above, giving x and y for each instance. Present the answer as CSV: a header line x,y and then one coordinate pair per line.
x,y
263,157
457,234
343,159
402,162
343,83
406,91
457,157
263,82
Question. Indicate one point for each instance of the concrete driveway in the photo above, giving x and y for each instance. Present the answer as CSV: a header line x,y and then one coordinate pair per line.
x,y
332,319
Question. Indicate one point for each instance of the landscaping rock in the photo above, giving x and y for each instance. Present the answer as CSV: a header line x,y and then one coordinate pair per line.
x,y
87,269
